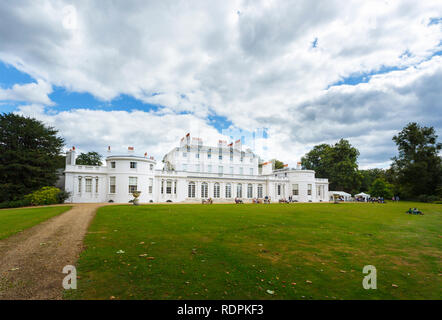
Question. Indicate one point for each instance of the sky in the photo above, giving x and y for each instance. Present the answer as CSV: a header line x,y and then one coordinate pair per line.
x,y
290,74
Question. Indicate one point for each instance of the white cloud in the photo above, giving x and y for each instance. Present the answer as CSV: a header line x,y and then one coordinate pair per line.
x,y
29,92
250,61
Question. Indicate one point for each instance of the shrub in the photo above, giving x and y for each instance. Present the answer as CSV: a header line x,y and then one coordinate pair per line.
x,y
44,196
428,198
438,202
15,203
62,196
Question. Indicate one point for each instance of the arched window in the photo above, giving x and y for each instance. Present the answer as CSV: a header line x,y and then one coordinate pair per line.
x,y
228,190
259,190
249,191
239,190
191,190
216,190
204,190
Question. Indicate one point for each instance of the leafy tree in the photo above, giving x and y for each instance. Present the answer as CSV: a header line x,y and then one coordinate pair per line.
x,y
89,159
418,167
381,188
278,164
29,156
368,176
318,159
336,162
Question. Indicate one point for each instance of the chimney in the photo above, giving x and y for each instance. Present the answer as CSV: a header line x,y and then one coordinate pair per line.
x,y
238,145
298,166
70,157
130,150
145,154
108,149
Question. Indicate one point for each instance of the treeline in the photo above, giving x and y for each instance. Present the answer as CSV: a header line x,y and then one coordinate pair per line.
x,y
415,173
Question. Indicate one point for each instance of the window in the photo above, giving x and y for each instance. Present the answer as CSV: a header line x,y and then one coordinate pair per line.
x,y
79,184
259,190
279,189
112,185
88,184
241,170
231,154
132,184
184,167
319,190
169,186
220,153
228,190
96,185
197,168
113,164
151,167
209,168
162,186
251,159
133,165
209,154
197,155
220,170
239,190
309,189
204,190
150,185
249,191
184,155
242,156
174,187
295,189
191,190
216,190
251,171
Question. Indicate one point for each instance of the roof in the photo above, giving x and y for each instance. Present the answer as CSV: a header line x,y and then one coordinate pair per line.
x,y
362,194
341,193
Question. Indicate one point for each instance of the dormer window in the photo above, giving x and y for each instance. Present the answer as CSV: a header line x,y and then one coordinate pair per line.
x,y
133,165
113,164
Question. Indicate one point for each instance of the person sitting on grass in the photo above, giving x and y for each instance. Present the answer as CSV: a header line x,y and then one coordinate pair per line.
x,y
416,211
409,211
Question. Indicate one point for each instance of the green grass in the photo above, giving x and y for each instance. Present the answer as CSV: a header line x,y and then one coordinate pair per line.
x,y
241,251
16,220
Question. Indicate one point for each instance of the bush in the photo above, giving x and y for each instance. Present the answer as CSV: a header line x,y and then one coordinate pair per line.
x,y
44,196
15,204
438,202
428,198
62,196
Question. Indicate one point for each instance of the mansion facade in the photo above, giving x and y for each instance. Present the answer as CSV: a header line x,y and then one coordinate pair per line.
x,y
191,172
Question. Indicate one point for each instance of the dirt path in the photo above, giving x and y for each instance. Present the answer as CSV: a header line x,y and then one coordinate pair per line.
x,y
41,252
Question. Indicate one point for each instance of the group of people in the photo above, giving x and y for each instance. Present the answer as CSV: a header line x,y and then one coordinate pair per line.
x,y
208,201
376,199
413,211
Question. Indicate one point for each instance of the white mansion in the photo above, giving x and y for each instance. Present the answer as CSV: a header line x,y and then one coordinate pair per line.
x,y
191,172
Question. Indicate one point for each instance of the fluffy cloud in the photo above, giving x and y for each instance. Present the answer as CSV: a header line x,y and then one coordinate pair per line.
x,y
30,92
260,64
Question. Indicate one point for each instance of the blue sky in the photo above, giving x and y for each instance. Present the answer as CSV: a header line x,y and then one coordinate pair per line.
x,y
146,73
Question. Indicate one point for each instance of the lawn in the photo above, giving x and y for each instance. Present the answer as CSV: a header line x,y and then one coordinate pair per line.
x,y
16,220
277,251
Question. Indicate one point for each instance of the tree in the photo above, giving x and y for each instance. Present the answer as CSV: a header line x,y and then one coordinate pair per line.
x,y
338,163
89,159
29,156
318,159
381,188
278,164
418,166
368,176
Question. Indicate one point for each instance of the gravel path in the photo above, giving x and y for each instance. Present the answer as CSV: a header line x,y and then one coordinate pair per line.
x,y
32,261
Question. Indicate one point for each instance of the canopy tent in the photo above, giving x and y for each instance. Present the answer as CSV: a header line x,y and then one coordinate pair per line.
x,y
363,196
341,195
